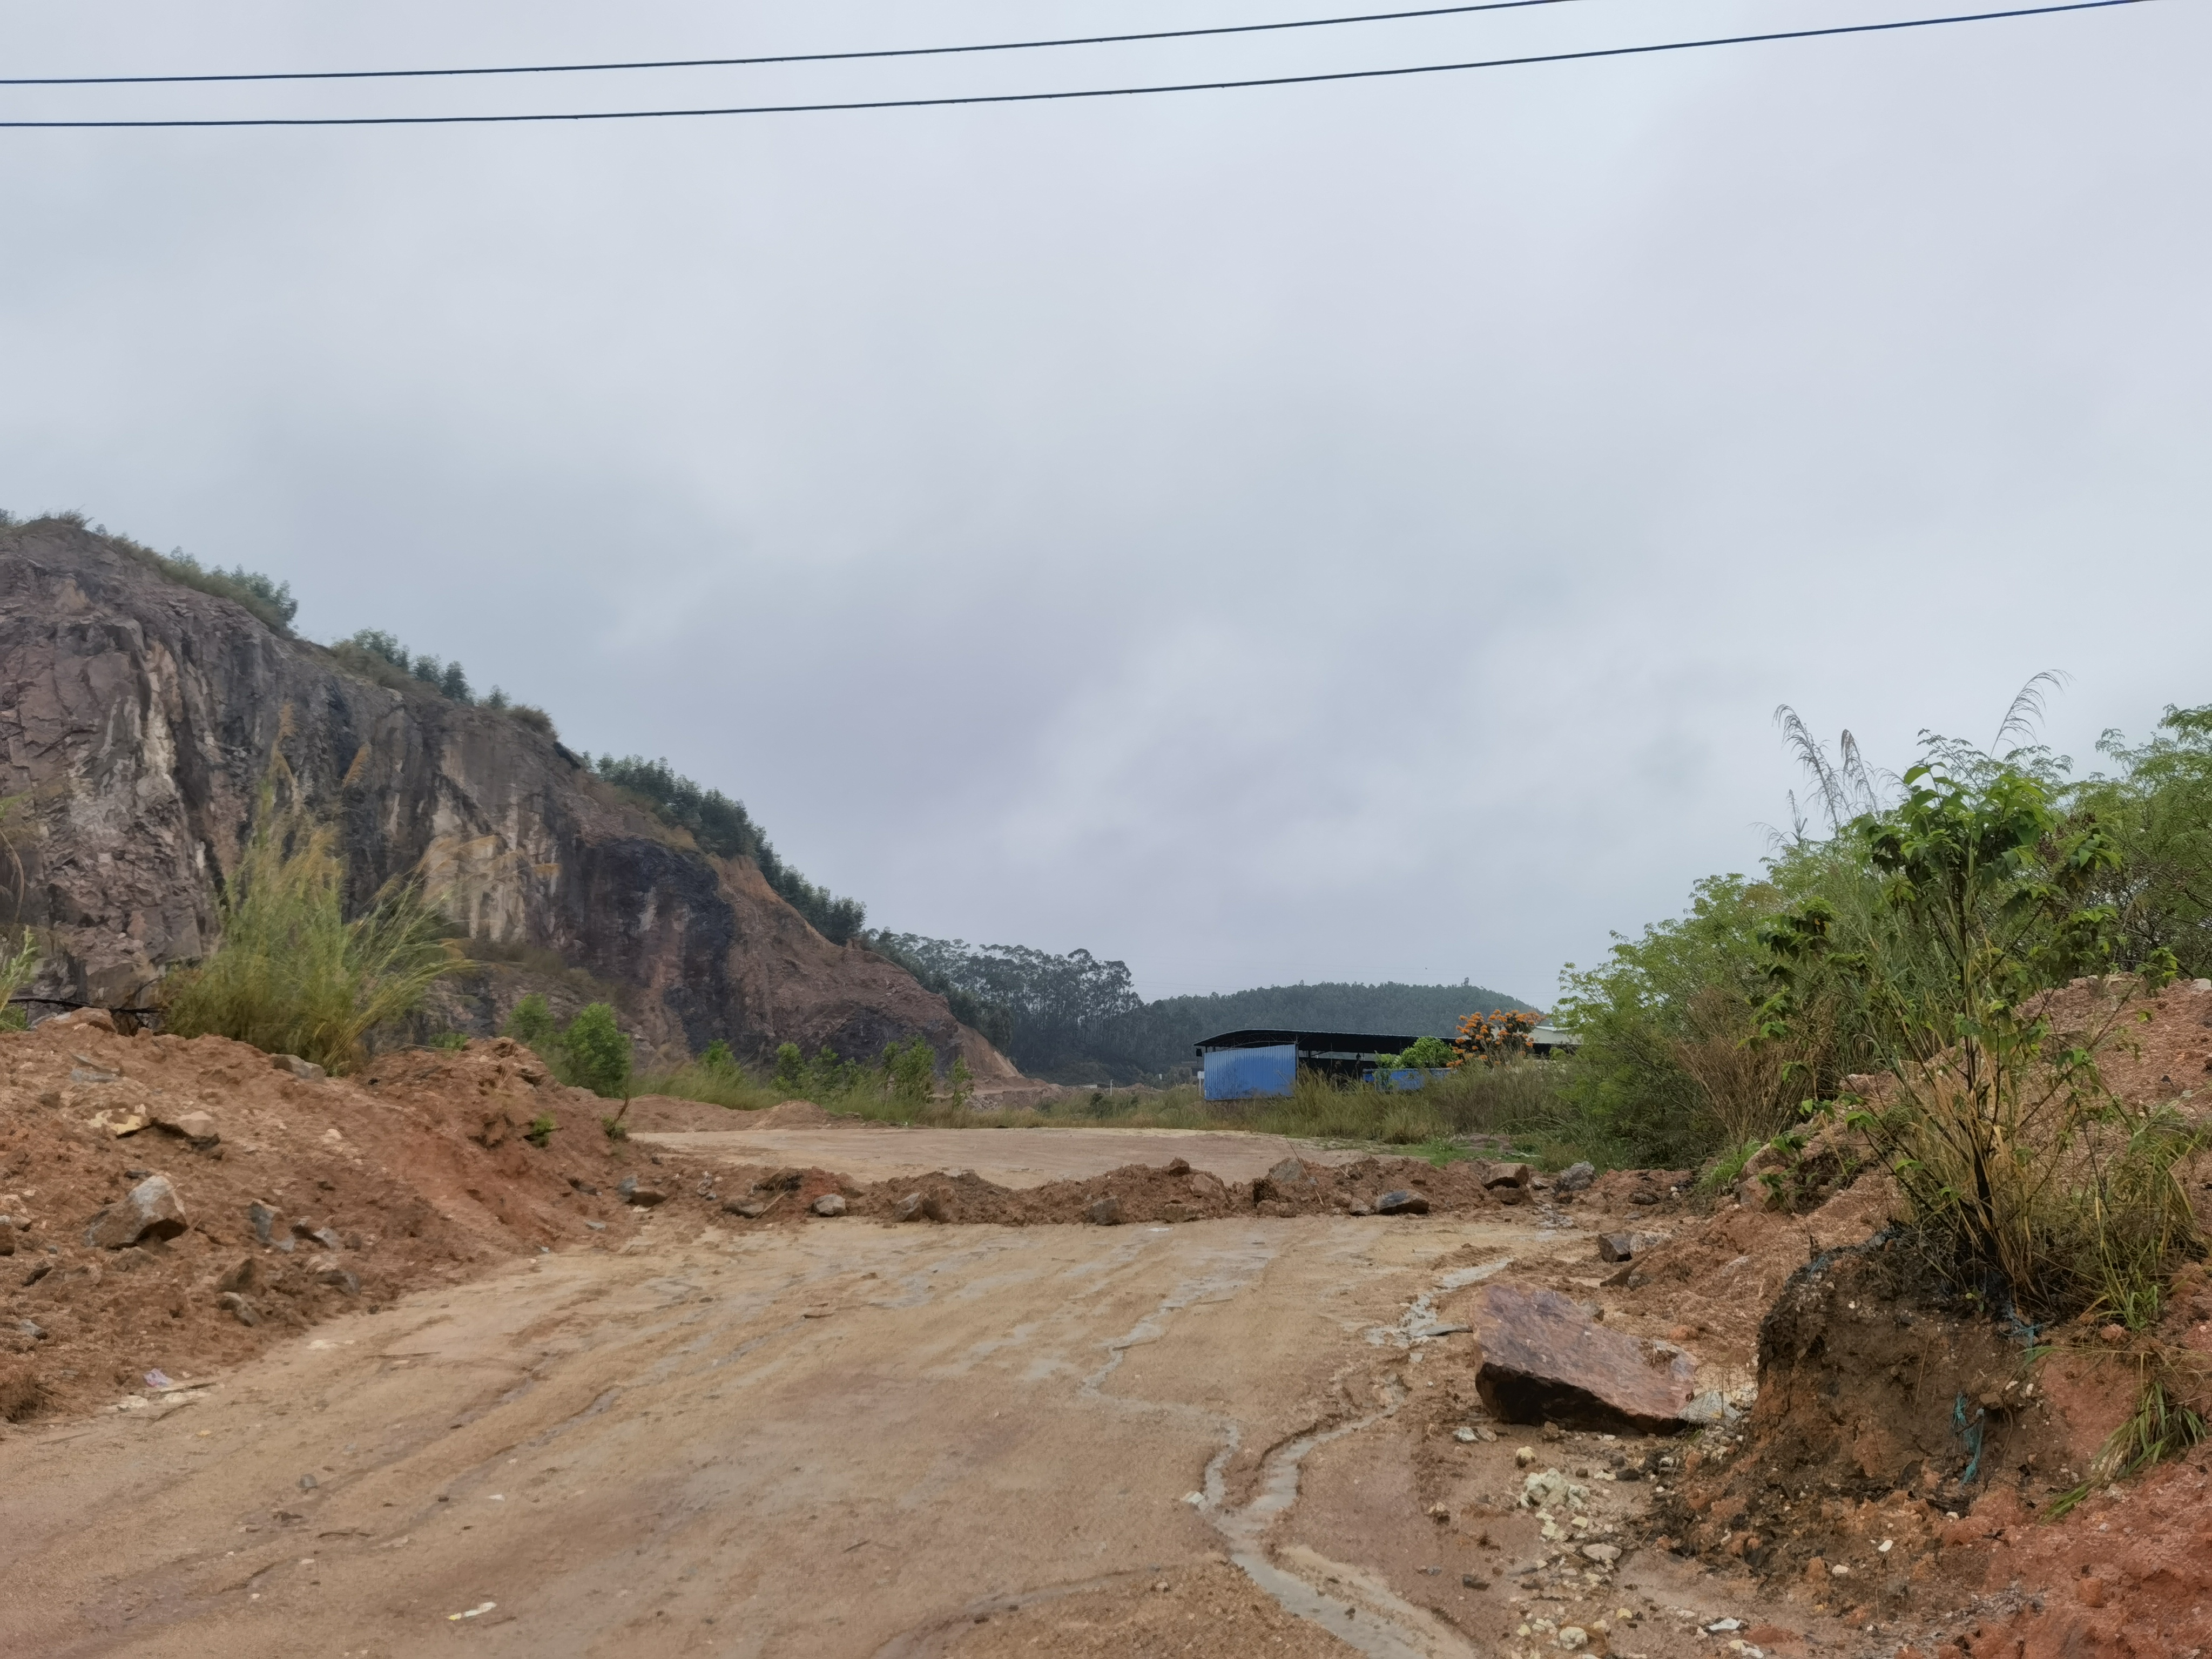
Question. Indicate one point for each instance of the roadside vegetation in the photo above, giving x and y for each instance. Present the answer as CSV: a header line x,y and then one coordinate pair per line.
x,y
290,973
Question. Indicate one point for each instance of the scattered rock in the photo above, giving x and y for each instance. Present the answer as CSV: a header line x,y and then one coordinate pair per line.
x,y
7,1237
1604,1554
1572,1639
645,1198
934,1207
1288,1179
1178,1166
1404,1201
244,1277
828,1204
1464,1434
263,1220
1472,1582
1543,1360
1709,1407
1507,1175
98,1018
1622,1246
239,1307
1106,1212
306,1071
1576,1177
150,1210
32,1329
1524,1457
308,1483
325,1236
751,1208
908,1208
341,1280
198,1128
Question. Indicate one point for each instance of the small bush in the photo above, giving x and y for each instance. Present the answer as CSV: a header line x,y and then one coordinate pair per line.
x,y
532,1024
450,1040
540,1130
597,1052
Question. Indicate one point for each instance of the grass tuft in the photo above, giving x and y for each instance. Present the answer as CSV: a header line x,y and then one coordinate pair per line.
x,y
291,975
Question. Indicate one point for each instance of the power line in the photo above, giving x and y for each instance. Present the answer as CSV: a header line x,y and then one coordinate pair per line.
x,y
786,58
1092,92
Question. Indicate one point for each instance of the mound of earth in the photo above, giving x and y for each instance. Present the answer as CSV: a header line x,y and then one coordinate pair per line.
x,y
293,1197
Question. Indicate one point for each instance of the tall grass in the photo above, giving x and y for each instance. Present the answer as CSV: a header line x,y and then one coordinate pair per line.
x,y
291,975
18,966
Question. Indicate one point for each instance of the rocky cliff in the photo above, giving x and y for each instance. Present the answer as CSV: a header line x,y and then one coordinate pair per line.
x,y
138,716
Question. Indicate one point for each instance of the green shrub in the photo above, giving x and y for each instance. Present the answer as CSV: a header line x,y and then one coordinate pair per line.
x,y
2030,1181
290,973
790,1068
532,1024
598,1053
541,1130
451,1040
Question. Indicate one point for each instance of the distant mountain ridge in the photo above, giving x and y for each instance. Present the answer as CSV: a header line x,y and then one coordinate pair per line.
x,y
1077,1019
1158,1040
1331,1005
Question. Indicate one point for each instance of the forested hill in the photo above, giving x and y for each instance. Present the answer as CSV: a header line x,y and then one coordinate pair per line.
x,y
1075,1018
1410,1010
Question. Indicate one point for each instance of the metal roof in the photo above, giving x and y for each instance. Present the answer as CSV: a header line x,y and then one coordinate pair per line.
x,y
1317,1043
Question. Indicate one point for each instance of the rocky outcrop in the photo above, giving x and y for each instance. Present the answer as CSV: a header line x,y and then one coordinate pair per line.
x,y
138,716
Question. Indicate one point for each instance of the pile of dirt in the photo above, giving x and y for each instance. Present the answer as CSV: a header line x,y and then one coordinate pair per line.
x,y
295,1196
1169,1193
2160,1046
666,1115
1714,1278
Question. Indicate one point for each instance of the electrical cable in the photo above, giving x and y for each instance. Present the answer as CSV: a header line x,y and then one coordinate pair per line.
x,y
1586,55
785,57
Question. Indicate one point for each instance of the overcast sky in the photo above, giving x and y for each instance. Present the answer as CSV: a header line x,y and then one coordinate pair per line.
x,y
1354,531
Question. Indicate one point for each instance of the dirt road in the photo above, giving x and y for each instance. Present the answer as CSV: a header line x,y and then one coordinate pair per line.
x,y
835,1439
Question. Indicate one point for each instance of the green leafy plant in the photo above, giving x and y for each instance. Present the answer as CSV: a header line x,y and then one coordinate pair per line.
x,y
532,1023
909,1072
540,1130
2031,1182
450,1040
291,973
597,1052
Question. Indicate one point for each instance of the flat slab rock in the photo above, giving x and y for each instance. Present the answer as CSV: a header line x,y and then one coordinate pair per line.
x,y
1545,1360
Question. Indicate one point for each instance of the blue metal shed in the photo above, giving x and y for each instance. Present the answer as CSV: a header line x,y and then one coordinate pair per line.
x,y
1243,1064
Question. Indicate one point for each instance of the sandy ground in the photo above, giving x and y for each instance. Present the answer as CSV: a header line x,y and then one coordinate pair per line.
x,y
1008,1158
841,1438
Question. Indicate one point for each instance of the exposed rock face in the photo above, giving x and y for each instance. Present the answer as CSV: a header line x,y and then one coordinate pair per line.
x,y
138,716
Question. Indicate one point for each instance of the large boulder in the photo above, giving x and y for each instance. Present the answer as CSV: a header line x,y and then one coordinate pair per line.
x,y
1546,1361
150,1210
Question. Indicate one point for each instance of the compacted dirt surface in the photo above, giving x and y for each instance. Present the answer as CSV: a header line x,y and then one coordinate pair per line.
x,y
702,1392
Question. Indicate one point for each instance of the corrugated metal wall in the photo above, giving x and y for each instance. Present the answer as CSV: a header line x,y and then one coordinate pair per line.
x,y
1242,1073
